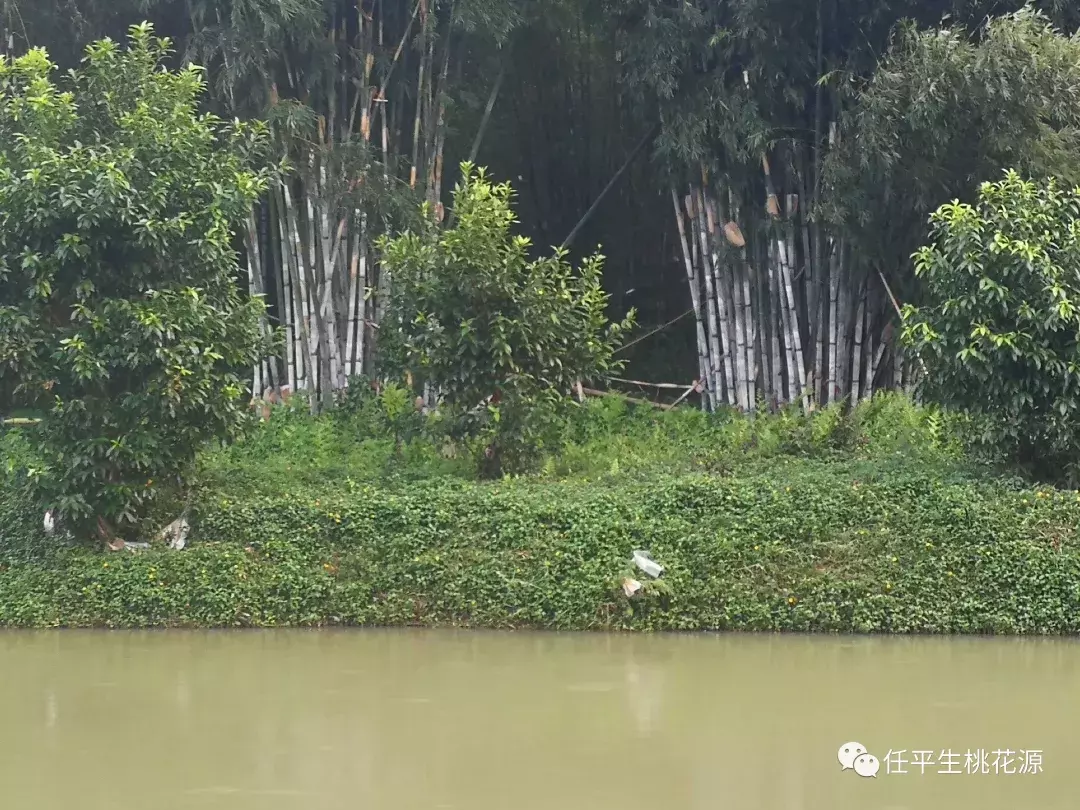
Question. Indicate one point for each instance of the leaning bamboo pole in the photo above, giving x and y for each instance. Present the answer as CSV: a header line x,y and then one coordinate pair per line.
x,y
793,319
704,368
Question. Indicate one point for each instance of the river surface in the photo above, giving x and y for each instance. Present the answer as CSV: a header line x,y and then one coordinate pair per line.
x,y
429,720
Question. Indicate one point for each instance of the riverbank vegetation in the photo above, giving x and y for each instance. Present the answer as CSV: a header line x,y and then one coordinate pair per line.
x,y
439,430
872,522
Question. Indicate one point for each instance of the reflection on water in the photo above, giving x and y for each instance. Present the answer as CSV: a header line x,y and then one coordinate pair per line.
x,y
486,721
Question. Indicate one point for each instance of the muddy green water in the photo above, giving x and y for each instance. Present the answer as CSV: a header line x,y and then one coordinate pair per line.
x,y
403,720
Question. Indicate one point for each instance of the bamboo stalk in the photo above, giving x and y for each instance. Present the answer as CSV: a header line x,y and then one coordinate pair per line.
x,y
748,326
742,311
704,368
779,269
820,268
305,371
834,293
292,333
358,282
844,317
775,325
305,285
856,360
809,286
281,277
741,384
435,170
759,323
793,319
868,353
321,288
649,136
821,360
883,344
474,150
717,323
263,375
381,95
729,310
415,170
293,349
678,386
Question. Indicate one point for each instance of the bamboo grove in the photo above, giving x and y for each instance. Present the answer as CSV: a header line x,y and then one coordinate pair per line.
x,y
794,152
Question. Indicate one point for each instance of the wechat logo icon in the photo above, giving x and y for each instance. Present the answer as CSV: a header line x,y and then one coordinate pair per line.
x,y
853,756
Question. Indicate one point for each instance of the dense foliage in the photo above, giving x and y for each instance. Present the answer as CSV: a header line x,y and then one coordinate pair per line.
x,y
865,524
502,338
945,111
999,333
776,160
833,127
121,318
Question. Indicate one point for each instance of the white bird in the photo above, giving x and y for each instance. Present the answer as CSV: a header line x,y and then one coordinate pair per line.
x,y
50,522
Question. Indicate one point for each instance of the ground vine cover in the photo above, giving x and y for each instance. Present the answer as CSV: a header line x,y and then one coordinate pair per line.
x,y
841,532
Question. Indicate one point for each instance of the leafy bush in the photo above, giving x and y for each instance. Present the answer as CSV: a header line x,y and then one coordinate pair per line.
x,y
121,318
999,334
503,339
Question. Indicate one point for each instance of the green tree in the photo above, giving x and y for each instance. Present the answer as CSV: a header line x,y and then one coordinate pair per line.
x,y
945,110
502,338
999,334
121,315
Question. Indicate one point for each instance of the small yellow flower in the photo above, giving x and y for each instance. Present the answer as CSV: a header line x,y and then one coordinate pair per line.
x,y
896,559
792,600
950,573
104,565
756,548
888,586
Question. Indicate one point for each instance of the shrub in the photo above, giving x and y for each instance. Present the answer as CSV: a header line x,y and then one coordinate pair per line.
x,y
502,338
121,318
999,334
